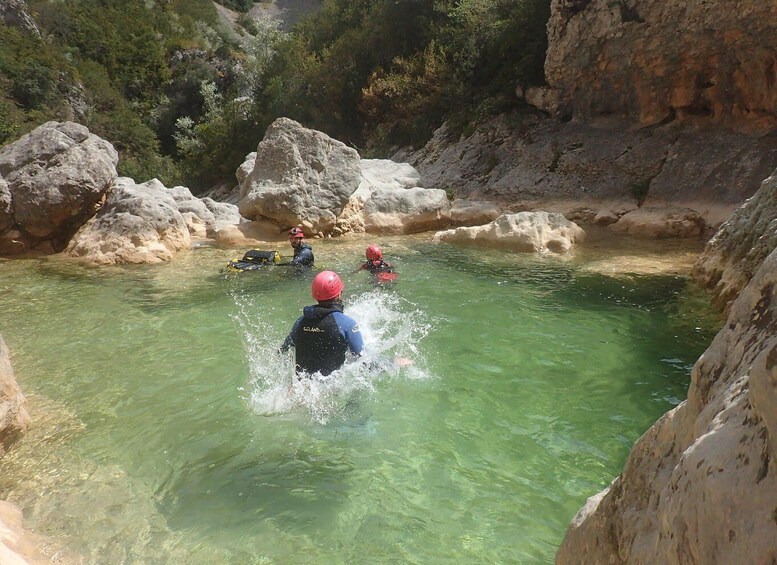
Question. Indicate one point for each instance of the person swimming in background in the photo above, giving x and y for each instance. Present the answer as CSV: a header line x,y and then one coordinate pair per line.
x,y
383,271
303,253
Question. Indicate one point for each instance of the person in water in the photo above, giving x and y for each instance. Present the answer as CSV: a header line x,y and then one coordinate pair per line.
x,y
323,335
303,253
383,271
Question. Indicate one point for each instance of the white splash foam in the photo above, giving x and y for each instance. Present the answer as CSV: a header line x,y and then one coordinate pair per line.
x,y
390,326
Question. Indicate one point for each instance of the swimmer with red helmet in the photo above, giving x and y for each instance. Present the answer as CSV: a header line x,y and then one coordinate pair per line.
x,y
303,253
323,334
380,269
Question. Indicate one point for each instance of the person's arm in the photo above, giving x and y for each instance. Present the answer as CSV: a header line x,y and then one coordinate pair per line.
x,y
350,330
289,341
304,257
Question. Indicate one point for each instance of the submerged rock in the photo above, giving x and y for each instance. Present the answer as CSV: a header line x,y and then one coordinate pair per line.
x,y
13,411
527,232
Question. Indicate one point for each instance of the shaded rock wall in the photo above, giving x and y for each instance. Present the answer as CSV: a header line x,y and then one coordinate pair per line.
x,y
539,160
658,61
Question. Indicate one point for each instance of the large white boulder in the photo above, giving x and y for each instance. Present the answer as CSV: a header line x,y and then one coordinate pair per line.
x,y
376,175
527,232
51,182
300,176
411,210
139,223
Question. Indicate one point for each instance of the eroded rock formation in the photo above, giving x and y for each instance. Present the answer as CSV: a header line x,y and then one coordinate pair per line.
x,y
737,250
300,176
659,61
139,223
527,232
700,486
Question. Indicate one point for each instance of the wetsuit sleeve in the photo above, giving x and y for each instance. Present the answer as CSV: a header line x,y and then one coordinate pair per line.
x,y
289,341
350,330
304,257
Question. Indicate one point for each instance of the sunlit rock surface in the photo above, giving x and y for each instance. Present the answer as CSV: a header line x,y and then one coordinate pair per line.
x,y
660,222
139,223
701,485
528,232
393,206
300,176
733,255
411,210
473,212
51,182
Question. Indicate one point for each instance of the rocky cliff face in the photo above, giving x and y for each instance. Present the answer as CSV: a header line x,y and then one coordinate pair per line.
x,y
700,487
736,252
659,61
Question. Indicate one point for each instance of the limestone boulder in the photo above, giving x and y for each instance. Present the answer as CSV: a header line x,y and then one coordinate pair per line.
x,y
660,223
139,223
14,419
208,213
54,178
528,232
300,176
736,251
245,169
403,211
251,234
383,174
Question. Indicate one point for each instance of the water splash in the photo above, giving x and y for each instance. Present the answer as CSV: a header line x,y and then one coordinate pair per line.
x,y
392,329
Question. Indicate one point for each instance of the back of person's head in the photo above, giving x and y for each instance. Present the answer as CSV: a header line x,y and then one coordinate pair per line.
x,y
326,286
374,253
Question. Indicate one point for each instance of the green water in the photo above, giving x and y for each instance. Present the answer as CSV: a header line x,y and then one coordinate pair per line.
x,y
164,429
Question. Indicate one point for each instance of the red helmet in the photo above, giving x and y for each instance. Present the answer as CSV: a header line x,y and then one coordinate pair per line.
x,y
326,286
374,253
295,232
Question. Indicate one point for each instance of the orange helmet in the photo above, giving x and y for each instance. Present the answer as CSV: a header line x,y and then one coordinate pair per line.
x,y
374,253
295,232
326,286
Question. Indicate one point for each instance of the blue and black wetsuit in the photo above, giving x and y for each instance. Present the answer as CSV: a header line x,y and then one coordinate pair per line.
x,y
303,256
321,338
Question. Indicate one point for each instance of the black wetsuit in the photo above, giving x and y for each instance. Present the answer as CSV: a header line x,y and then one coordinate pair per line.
x,y
321,338
303,256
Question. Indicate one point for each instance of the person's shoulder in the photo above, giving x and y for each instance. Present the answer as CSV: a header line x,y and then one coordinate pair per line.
x,y
344,318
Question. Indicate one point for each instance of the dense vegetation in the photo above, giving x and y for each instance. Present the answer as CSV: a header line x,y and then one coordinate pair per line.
x,y
184,97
